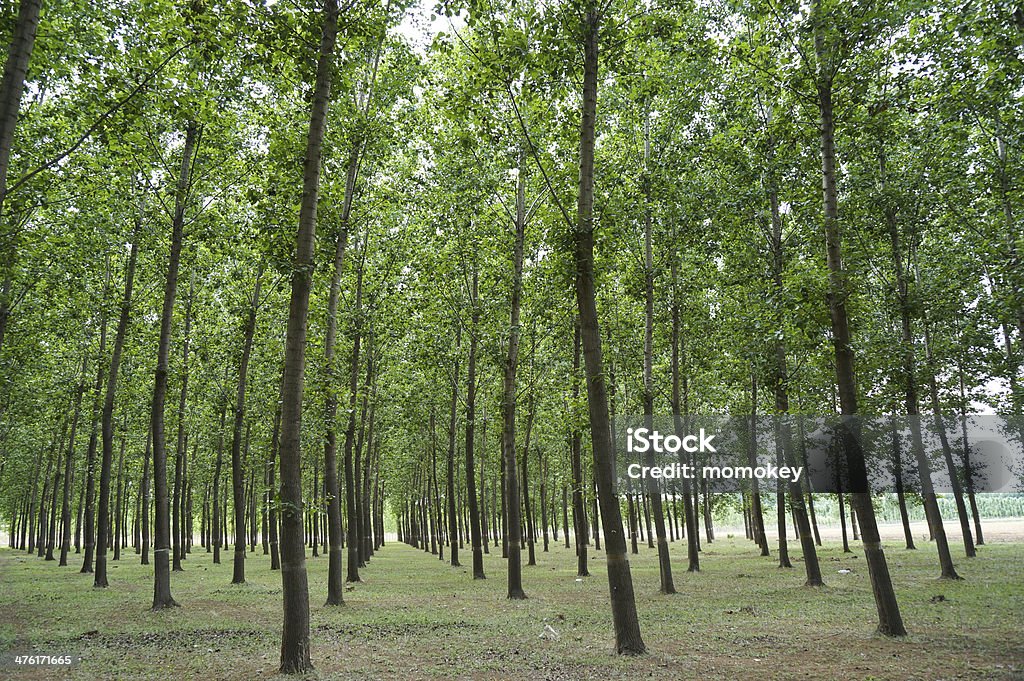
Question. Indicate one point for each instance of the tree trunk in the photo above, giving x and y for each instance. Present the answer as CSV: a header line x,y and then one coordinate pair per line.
x,y
579,513
108,409
120,494
783,426
65,543
237,472
968,470
272,522
97,406
890,622
947,450
295,634
15,69
512,503
453,530
180,444
901,498
335,578
931,506
147,455
162,534
653,491
476,540
215,521
620,582
692,551
530,530
351,521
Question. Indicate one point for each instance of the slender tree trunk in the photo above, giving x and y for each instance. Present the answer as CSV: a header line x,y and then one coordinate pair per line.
x,y
901,498
633,526
237,472
65,544
692,532
576,464
484,508
530,530
120,493
512,504
890,622
947,450
783,425
909,379
335,577
453,530
51,533
968,470
180,444
146,457
756,510
272,522
162,534
215,522
295,634
653,491
476,540
97,406
351,520
103,529
620,582
544,501
15,69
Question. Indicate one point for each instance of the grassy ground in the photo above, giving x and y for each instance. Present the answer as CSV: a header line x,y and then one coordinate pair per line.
x,y
417,618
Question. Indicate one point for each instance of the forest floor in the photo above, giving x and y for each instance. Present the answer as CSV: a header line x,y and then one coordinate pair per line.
x,y
417,618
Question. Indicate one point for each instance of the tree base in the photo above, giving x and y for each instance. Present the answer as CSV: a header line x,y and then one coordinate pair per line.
x,y
296,667
631,649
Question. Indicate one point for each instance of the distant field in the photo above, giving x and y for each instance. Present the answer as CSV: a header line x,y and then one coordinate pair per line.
x,y
417,618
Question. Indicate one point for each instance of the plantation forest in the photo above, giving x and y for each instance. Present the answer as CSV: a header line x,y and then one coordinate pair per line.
x,y
328,329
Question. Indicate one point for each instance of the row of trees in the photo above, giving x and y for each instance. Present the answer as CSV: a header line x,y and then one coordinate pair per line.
x,y
776,208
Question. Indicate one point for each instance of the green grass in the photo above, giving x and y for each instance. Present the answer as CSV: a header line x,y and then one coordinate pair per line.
x,y
415,617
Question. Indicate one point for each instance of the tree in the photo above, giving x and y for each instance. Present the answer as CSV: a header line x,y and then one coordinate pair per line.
x,y
295,633
620,581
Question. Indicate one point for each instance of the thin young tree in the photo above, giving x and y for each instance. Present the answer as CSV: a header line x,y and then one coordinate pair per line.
x,y
295,656
237,472
890,621
620,581
162,531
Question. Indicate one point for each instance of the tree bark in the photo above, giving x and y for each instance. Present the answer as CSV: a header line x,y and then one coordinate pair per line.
x,y
476,540
453,529
909,379
335,578
580,525
97,406
692,531
653,490
237,472
162,534
178,549
620,582
15,70
103,529
512,503
65,544
890,622
295,634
